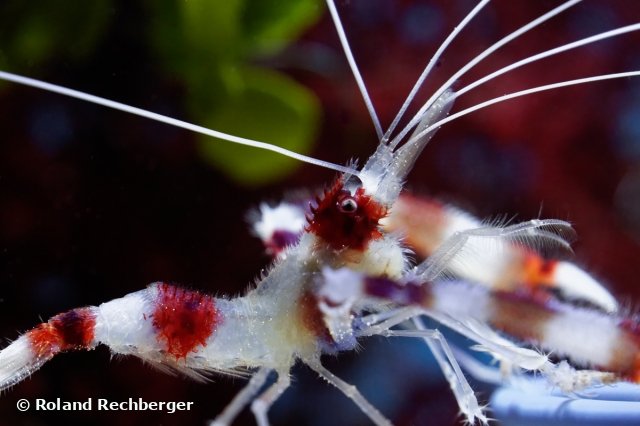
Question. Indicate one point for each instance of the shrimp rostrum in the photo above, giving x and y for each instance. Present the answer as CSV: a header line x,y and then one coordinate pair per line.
x,y
343,271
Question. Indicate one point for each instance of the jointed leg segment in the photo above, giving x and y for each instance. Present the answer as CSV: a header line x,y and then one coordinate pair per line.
x,y
261,405
243,397
444,357
350,391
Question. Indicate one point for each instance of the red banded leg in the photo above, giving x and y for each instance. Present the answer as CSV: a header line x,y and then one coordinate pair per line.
x,y
430,225
587,336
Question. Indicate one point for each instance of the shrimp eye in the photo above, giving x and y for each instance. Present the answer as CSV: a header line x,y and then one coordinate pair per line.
x,y
348,205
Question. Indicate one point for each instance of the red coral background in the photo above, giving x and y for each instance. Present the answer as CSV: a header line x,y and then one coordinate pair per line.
x,y
95,204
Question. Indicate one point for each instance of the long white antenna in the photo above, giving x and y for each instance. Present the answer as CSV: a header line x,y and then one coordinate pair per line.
x,y
354,67
517,33
523,93
432,62
550,52
26,81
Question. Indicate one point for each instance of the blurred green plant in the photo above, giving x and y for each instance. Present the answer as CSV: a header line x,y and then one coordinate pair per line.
x,y
211,45
35,32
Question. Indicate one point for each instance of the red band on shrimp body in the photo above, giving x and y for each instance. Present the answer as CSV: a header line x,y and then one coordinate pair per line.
x,y
404,294
421,220
626,354
67,331
311,317
522,315
184,319
528,316
635,375
538,271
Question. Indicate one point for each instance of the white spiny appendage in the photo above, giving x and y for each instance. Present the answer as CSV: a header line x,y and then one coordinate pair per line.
x,y
350,391
457,220
261,405
506,358
243,398
467,401
444,356
468,309
490,244
569,380
489,341
494,263
17,362
473,306
500,348
477,369
283,217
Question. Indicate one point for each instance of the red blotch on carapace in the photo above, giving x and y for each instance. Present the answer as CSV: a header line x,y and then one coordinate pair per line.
x,y
341,229
184,319
67,331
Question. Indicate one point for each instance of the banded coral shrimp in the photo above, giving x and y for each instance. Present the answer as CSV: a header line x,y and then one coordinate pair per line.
x,y
92,207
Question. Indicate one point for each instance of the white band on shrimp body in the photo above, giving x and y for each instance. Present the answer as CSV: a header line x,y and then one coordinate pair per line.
x,y
592,344
17,361
126,324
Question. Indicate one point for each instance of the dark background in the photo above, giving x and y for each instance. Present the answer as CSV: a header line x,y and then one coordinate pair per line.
x,y
101,203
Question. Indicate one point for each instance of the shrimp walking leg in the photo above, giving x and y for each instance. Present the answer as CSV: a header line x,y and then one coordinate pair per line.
x,y
499,347
487,243
243,397
443,355
261,405
350,391
458,383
